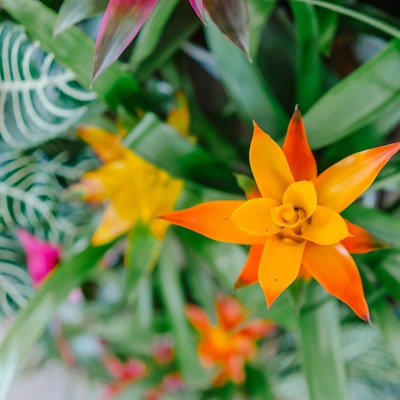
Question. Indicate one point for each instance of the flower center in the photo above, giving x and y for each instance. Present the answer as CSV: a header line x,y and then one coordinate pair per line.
x,y
287,216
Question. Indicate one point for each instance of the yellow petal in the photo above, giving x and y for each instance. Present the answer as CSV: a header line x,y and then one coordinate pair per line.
x,y
297,150
249,273
212,219
269,165
342,183
326,227
337,273
302,196
254,217
111,226
106,145
279,266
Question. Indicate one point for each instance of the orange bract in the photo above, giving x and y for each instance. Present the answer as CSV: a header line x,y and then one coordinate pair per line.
x,y
227,345
292,219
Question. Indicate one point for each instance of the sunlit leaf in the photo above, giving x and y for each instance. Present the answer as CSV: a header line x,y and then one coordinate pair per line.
x,y
73,11
39,311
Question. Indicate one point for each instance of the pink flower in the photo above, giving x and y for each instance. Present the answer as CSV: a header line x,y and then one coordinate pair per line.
x,y
41,257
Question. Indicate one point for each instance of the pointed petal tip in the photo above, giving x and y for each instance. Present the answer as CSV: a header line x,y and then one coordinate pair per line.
x,y
297,114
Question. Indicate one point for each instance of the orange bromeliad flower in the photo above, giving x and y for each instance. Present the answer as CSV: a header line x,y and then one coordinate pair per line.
x,y
231,342
135,189
292,218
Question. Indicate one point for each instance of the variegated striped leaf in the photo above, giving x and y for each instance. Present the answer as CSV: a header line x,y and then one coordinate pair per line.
x,y
15,282
39,99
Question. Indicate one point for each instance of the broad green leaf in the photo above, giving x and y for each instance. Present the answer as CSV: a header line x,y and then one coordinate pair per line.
x,y
328,24
15,282
161,145
141,256
381,224
73,11
74,50
39,99
259,12
152,32
388,323
173,298
385,265
30,323
231,17
320,346
309,69
377,80
245,85
370,20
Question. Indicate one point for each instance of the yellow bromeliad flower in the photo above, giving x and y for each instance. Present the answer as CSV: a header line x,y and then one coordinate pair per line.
x,y
231,342
292,219
135,189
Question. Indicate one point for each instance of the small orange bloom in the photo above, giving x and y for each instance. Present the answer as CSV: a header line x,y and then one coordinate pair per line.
x,y
231,342
292,218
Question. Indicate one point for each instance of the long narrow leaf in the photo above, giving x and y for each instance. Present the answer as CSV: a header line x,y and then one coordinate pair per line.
x,y
31,322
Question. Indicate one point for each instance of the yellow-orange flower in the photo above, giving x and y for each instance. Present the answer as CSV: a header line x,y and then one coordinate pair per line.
x,y
135,189
227,345
292,217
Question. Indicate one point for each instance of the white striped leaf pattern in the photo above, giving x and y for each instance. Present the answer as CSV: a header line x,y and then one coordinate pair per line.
x,y
39,99
15,282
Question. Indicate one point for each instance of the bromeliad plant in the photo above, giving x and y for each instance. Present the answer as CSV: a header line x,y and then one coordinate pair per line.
x,y
293,222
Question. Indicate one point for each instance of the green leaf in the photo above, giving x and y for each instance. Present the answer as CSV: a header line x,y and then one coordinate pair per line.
x,y
152,32
30,323
377,80
74,50
309,69
259,12
174,300
73,11
381,224
39,99
161,145
321,347
140,257
388,323
245,85
15,282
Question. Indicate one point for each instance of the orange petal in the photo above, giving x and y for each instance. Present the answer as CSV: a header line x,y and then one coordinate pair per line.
x,y
269,165
297,150
301,195
279,266
342,183
106,145
198,318
258,329
111,226
361,240
254,217
326,227
249,273
230,313
337,273
212,219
